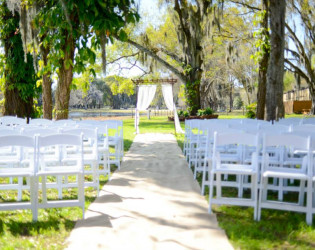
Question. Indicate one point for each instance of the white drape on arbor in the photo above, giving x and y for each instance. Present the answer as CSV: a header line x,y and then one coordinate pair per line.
x,y
169,101
145,96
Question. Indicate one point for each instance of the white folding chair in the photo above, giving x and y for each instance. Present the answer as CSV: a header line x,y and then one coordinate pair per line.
x,y
238,168
116,141
207,161
62,166
102,145
19,162
90,154
282,163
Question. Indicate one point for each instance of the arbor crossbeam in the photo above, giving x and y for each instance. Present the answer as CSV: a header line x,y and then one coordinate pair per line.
x,y
158,80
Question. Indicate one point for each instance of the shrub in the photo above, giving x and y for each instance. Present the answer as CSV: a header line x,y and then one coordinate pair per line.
x,y
200,112
251,110
207,111
182,113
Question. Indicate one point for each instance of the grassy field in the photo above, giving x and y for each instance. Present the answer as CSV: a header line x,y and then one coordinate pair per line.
x,y
277,230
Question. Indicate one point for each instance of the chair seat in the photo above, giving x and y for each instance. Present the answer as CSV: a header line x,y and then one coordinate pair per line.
x,y
234,169
60,170
16,172
287,175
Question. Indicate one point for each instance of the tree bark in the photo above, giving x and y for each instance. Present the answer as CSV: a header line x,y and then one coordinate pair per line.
x,y
263,67
20,80
274,93
47,93
65,76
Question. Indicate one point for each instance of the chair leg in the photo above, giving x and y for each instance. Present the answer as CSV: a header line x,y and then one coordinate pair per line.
x,y
34,197
204,173
240,185
211,192
301,192
280,192
309,202
59,185
96,177
218,185
262,193
254,195
44,189
20,188
81,197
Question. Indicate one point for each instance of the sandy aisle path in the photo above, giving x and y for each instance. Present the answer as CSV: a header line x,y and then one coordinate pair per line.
x,y
153,202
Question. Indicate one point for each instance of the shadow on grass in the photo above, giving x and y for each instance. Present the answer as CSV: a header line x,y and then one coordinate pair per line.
x,y
29,228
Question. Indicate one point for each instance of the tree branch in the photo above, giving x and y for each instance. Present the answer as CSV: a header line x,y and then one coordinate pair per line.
x,y
172,55
297,70
179,74
132,55
299,45
246,5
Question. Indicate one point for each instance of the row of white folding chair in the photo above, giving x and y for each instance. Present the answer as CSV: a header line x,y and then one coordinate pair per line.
x,y
193,135
30,131
115,139
95,139
32,163
198,150
280,169
244,154
96,150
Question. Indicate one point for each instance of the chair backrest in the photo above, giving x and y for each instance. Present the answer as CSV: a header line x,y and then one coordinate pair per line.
x,y
60,139
304,127
40,121
88,132
63,123
12,120
245,144
245,127
274,129
31,131
6,130
284,145
17,140
290,121
59,145
21,147
310,120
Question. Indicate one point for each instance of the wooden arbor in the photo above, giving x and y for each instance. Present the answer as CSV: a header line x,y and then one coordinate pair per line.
x,y
138,82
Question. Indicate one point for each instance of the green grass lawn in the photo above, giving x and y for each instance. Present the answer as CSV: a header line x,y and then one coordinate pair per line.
x,y
277,230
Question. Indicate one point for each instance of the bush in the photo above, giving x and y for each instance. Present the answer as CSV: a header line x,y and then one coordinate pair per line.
x,y
182,113
200,112
251,110
207,111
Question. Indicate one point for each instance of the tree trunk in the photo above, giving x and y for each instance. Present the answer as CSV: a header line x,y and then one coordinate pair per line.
x,y
14,105
274,93
65,77
47,94
20,77
263,67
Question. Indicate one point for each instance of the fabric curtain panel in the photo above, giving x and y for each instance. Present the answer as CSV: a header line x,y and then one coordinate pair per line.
x,y
167,91
146,94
